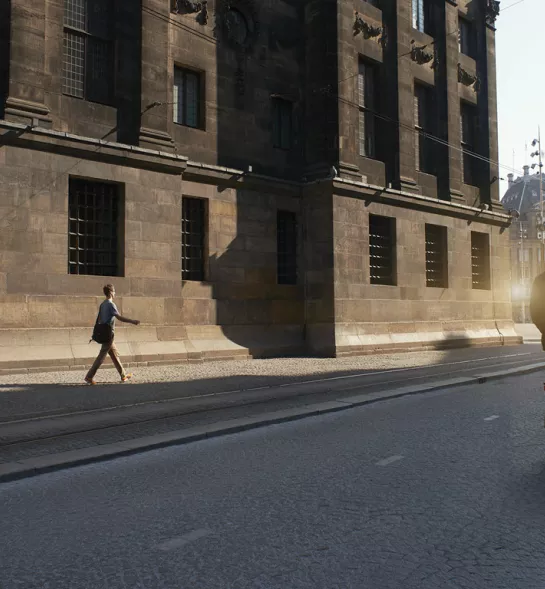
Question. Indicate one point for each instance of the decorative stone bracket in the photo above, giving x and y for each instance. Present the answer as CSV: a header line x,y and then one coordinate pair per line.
x,y
492,12
369,31
420,56
468,79
192,7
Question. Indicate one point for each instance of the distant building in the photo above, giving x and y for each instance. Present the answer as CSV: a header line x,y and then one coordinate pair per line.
x,y
256,178
526,236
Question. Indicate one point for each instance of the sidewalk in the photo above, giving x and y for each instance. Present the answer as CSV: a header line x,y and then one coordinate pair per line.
x,y
529,332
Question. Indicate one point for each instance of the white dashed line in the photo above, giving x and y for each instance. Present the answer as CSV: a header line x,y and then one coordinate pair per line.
x,y
175,543
389,460
491,418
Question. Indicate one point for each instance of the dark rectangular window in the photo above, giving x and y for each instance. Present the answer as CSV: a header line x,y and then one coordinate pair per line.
x,y
187,98
373,3
368,103
466,37
422,17
286,243
480,260
282,123
424,118
436,256
193,238
93,245
468,121
88,50
382,250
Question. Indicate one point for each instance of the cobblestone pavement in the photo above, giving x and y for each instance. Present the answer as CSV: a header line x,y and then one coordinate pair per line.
x,y
445,490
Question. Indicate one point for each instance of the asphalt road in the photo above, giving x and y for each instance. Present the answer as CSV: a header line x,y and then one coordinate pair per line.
x,y
444,490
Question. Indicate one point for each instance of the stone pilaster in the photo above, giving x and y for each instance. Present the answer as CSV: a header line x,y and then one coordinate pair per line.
x,y
156,76
25,92
453,105
493,153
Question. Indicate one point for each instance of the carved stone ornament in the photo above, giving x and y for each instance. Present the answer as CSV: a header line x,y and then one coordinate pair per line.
x,y
368,31
421,56
192,7
236,22
468,79
492,11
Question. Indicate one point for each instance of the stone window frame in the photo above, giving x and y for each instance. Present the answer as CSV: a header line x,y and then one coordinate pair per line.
x,y
367,98
180,88
468,123
436,242
282,122
467,38
287,229
424,126
88,64
480,261
95,227
194,233
382,250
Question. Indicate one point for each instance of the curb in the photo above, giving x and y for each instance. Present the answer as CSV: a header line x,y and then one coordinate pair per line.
x,y
11,471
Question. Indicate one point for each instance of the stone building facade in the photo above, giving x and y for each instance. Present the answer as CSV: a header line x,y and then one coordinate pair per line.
x,y
256,177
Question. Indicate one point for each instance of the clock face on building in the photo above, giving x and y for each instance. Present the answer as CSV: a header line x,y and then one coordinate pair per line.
x,y
237,26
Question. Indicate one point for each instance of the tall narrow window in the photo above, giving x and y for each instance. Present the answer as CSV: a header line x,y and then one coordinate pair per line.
x,y
424,127
382,250
466,37
286,239
468,120
93,209
422,17
282,123
480,260
436,256
193,238
367,101
88,50
187,97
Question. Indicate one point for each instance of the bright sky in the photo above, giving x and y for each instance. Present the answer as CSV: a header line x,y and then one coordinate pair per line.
x,y
521,83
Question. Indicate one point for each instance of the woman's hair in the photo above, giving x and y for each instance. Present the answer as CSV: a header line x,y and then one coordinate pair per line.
x,y
108,289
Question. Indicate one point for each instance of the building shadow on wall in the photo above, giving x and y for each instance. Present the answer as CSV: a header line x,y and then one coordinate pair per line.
x,y
5,34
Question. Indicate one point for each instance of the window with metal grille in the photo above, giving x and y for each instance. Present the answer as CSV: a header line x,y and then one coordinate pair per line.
x,y
382,250
94,216
286,244
436,256
193,238
367,101
468,120
88,50
422,18
466,40
480,260
282,123
187,98
424,127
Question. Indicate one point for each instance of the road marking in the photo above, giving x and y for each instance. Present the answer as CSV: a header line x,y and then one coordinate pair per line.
x,y
175,543
389,460
491,418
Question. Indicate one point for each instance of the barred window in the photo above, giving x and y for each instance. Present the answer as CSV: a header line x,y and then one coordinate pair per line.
x,y
286,236
88,50
367,102
193,238
187,98
436,256
282,119
480,260
94,216
468,121
382,250
424,127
